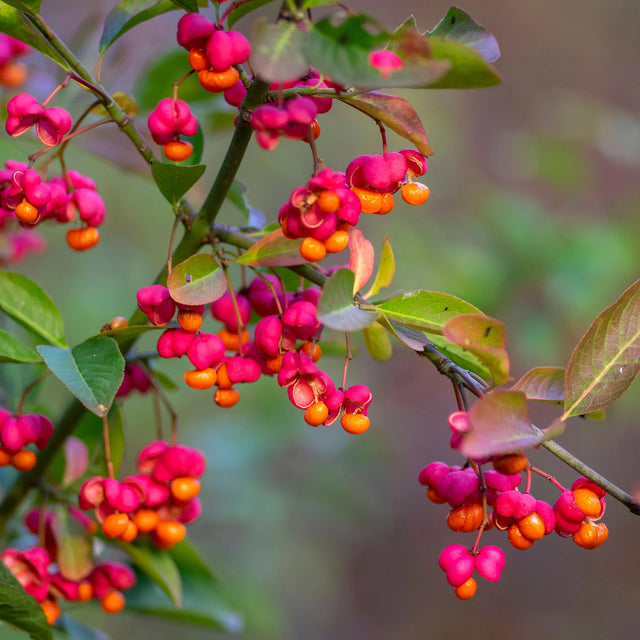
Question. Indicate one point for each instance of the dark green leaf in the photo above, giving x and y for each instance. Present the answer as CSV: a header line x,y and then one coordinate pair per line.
x,y
242,10
377,341
485,338
277,51
273,250
336,308
12,350
342,54
25,302
412,338
428,310
460,26
395,113
13,24
197,280
206,601
155,79
607,358
159,566
174,180
386,269
499,424
20,609
92,371
187,5
129,13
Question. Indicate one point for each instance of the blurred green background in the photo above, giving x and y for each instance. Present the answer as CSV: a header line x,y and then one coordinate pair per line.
x,y
533,217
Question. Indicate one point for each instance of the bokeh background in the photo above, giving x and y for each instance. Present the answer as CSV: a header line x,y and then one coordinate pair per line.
x,y
534,217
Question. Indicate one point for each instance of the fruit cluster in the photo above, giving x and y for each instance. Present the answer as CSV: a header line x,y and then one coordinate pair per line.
x,y
284,344
25,196
159,501
481,499
17,432
43,575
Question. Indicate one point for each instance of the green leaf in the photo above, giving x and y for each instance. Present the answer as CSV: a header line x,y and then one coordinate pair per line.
x,y
25,302
92,371
12,23
342,53
460,356
412,338
237,195
607,358
155,79
273,250
428,310
458,25
127,333
175,180
20,609
468,68
159,566
12,350
197,280
484,337
377,341
360,259
395,113
75,546
386,269
277,51
129,13
126,102
28,6
499,424
242,10
336,308
206,601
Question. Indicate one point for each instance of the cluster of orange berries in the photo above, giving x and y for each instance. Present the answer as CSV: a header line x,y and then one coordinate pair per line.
x,y
469,491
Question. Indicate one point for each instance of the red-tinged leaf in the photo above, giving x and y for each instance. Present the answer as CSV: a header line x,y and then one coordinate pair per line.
x,y
197,280
75,545
607,358
76,455
485,338
386,269
361,258
499,424
274,250
395,113
545,384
